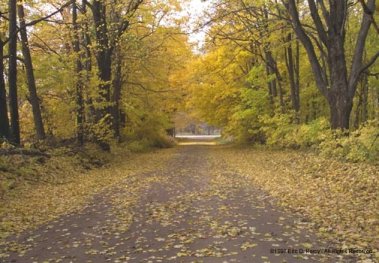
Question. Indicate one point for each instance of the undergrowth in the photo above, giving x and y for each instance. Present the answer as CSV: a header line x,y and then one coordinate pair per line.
x,y
361,145
55,166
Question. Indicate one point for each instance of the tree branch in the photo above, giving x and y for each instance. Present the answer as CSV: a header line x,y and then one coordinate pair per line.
x,y
369,12
356,67
370,63
145,88
32,23
308,45
318,23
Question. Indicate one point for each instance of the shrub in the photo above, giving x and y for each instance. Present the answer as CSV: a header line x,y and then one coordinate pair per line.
x,y
144,144
163,141
310,135
361,145
278,130
139,146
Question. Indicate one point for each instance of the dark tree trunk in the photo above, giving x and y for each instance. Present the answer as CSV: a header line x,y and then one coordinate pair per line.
x,y
79,80
271,87
104,64
339,112
116,96
358,109
107,41
4,121
364,112
33,97
277,82
361,108
12,76
87,64
103,56
293,72
280,91
338,87
86,41
275,85
340,101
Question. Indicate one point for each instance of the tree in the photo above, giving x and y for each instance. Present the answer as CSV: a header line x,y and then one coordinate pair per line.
x,y
4,121
79,78
33,97
333,79
109,25
12,75
292,59
116,95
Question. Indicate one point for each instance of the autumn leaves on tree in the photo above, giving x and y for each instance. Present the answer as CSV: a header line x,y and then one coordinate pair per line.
x,y
276,68
110,70
95,45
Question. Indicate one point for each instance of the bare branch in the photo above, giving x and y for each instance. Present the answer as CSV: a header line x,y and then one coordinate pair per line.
x,y
370,12
147,89
32,23
369,63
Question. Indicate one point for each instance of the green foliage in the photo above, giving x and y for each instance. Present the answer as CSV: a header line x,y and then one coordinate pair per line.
x,y
145,144
139,146
278,130
281,131
361,145
101,130
245,123
251,82
310,135
147,129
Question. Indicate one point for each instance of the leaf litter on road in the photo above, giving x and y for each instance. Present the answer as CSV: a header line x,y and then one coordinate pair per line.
x,y
197,204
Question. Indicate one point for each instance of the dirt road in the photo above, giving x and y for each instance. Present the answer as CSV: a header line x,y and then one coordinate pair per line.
x,y
192,210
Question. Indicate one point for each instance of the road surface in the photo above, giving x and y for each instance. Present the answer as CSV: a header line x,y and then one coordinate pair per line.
x,y
194,209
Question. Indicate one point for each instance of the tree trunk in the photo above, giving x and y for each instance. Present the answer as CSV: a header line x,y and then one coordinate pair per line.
x,y
293,73
277,82
4,121
361,109
103,56
280,91
104,64
106,44
340,110
116,96
87,65
358,109
271,87
79,81
12,76
364,112
33,97
338,87
340,101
